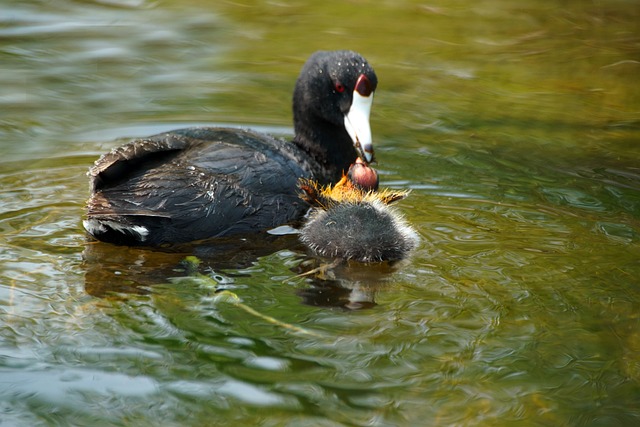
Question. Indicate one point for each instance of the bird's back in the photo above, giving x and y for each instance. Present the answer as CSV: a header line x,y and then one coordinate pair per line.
x,y
193,184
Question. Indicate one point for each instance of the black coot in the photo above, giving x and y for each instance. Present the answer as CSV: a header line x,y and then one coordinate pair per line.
x,y
353,221
198,183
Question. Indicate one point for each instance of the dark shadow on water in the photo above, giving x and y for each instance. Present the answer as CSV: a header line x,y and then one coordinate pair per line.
x,y
112,270
348,285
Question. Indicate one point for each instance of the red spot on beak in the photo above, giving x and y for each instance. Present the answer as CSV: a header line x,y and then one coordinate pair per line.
x,y
363,86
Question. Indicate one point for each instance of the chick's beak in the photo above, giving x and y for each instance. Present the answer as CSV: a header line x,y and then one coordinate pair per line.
x,y
356,121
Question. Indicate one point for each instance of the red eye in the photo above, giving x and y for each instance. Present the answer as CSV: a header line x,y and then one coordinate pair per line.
x,y
339,87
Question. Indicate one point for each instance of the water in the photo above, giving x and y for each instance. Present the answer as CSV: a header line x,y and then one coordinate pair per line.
x,y
516,125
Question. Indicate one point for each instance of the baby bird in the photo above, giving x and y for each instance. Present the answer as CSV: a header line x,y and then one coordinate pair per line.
x,y
352,219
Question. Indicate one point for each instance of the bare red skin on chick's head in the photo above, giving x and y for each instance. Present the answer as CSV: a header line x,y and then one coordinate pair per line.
x,y
362,176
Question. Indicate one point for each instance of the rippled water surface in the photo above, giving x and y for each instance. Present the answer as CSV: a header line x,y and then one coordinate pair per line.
x,y
515,124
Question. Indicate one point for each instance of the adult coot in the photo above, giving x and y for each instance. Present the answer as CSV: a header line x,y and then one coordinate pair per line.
x,y
198,183
353,221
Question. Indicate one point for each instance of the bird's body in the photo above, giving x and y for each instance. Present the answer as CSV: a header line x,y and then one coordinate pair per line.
x,y
199,183
194,183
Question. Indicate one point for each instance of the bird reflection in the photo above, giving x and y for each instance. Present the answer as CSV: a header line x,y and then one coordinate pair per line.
x,y
343,284
112,270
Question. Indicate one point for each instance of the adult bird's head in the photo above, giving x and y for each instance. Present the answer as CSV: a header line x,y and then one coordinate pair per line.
x,y
331,105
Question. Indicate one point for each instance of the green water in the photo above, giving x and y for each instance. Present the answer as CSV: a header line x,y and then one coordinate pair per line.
x,y
515,124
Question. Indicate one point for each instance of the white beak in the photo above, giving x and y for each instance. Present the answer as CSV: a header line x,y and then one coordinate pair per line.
x,y
356,121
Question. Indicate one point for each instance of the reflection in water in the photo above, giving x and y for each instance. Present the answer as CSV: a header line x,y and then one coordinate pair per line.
x,y
339,283
111,270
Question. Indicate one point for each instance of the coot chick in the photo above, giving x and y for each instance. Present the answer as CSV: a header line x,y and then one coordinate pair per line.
x,y
350,223
198,183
